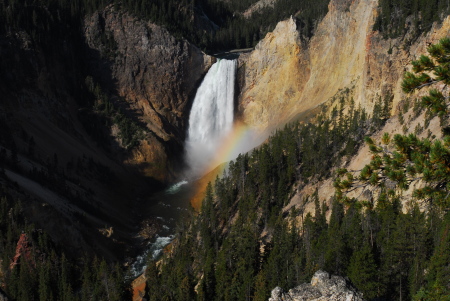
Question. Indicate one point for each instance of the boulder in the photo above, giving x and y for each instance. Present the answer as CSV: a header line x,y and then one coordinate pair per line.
x,y
323,287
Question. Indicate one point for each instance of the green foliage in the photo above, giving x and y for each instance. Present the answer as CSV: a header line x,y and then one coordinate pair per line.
x,y
362,271
397,17
47,274
386,253
130,132
103,114
382,111
43,20
407,159
411,159
438,64
233,262
231,29
212,25
439,273
399,162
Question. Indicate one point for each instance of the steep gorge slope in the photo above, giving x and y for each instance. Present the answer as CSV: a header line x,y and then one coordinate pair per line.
x,y
287,75
50,162
156,74
245,240
51,121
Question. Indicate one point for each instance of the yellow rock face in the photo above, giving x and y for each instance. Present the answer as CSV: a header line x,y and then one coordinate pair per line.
x,y
286,75
150,159
275,75
338,51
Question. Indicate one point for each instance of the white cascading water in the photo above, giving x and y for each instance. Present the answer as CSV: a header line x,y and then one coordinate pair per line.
x,y
211,118
210,121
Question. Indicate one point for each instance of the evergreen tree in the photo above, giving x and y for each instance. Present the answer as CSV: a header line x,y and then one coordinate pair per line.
x,y
439,274
153,281
363,271
403,239
262,291
336,255
45,292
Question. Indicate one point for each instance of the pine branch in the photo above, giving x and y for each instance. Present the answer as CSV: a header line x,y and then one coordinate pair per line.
x,y
428,84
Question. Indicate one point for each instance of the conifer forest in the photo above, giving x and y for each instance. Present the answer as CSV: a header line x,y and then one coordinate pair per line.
x,y
386,226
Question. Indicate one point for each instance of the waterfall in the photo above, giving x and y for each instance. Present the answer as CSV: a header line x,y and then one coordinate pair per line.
x,y
211,117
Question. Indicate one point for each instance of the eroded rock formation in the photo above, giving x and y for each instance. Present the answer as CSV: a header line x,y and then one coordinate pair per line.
x,y
154,72
23,249
273,76
322,287
287,75
87,183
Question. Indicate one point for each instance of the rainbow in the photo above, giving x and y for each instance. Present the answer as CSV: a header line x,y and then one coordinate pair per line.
x,y
232,146
238,141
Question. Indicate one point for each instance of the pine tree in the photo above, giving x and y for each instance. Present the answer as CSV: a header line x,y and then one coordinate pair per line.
x,y
153,281
439,274
437,63
261,288
336,253
45,292
363,271
186,289
421,246
405,159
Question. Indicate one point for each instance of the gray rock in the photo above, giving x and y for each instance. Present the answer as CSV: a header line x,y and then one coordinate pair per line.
x,y
322,287
152,76
156,73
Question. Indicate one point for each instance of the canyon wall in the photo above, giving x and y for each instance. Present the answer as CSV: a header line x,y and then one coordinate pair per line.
x,y
273,76
62,156
155,73
69,184
287,75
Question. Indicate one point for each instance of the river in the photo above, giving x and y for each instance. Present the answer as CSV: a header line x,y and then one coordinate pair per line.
x,y
168,207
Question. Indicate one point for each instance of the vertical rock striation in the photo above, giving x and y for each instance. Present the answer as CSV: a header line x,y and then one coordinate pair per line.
x,y
153,71
287,75
273,76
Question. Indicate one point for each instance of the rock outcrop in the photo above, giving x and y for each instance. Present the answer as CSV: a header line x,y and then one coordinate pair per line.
x,y
322,287
23,249
145,71
258,6
287,75
138,287
39,120
154,72
273,76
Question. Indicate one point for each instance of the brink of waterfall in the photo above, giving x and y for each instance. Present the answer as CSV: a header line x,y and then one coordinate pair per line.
x,y
211,117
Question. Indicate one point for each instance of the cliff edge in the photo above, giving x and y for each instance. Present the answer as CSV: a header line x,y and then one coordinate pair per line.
x,y
287,74
155,73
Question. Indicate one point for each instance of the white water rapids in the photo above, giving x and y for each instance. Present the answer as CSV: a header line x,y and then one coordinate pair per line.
x,y
211,117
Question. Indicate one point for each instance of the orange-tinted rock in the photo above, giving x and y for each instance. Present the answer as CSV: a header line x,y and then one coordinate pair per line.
x,y
23,250
286,75
155,73
138,285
